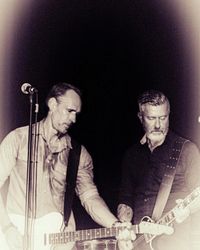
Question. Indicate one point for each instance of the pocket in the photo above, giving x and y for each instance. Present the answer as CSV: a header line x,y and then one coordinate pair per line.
x,y
21,166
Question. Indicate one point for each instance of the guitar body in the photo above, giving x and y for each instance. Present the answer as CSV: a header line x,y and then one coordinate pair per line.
x,y
47,224
140,243
104,244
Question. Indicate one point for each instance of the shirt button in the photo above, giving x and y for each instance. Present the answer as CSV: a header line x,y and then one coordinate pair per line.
x,y
146,199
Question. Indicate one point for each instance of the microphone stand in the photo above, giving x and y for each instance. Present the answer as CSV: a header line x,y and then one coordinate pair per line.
x,y
31,176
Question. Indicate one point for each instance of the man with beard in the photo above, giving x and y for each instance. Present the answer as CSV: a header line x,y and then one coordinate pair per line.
x,y
161,163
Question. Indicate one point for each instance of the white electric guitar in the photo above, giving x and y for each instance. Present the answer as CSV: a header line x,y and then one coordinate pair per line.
x,y
47,232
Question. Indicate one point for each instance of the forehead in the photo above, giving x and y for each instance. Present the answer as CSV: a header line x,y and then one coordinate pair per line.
x,y
159,110
71,99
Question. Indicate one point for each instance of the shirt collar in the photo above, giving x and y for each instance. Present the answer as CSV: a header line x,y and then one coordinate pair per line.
x,y
144,139
60,143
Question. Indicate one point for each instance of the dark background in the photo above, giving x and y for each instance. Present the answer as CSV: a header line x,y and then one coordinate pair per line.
x,y
111,50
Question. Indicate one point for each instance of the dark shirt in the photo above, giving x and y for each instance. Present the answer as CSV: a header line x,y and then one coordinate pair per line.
x,y
143,170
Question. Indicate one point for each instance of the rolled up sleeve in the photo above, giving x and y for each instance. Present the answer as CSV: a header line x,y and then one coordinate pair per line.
x,y
88,193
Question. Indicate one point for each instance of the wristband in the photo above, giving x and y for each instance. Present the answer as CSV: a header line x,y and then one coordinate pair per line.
x,y
5,229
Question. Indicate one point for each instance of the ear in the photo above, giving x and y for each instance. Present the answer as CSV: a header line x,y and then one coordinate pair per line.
x,y
140,116
52,103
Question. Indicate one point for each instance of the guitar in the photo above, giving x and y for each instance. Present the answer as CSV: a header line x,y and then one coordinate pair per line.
x,y
45,238
147,239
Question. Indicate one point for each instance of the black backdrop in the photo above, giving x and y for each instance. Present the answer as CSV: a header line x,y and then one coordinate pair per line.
x,y
112,50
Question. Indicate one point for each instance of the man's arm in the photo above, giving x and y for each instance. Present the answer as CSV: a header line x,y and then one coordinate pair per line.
x,y
191,161
5,221
7,161
88,193
99,211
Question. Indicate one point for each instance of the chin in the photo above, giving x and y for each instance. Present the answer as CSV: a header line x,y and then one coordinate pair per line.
x,y
62,131
157,137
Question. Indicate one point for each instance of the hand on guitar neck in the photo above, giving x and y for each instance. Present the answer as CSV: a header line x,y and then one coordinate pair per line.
x,y
186,207
127,235
181,213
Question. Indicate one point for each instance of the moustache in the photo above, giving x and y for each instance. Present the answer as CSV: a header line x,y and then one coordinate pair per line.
x,y
157,130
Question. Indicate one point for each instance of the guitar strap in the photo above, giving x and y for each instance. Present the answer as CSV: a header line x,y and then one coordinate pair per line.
x,y
168,177
72,169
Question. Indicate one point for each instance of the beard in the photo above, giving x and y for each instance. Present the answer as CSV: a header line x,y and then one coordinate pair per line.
x,y
157,135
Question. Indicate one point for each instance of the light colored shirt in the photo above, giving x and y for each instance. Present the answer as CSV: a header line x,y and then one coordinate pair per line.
x,y
13,164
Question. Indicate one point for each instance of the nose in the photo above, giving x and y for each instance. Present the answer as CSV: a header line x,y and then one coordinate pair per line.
x,y
73,117
157,123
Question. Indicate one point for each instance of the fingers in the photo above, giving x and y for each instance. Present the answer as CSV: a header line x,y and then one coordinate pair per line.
x,y
133,235
125,245
126,224
179,201
126,234
125,239
124,213
180,212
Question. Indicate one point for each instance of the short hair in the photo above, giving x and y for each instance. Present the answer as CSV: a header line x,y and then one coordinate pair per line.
x,y
152,97
60,89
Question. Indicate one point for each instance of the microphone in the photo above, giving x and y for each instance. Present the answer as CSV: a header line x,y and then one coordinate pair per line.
x,y
26,88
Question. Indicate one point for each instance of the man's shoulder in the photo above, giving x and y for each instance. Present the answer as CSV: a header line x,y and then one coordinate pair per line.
x,y
15,137
19,131
174,136
186,142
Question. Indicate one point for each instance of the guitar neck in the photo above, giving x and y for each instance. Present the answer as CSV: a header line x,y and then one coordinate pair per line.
x,y
88,234
169,217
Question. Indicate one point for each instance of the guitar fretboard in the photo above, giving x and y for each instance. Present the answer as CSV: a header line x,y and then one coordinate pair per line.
x,y
89,234
170,216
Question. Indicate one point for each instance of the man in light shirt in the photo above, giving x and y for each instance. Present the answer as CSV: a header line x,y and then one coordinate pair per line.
x,y
53,148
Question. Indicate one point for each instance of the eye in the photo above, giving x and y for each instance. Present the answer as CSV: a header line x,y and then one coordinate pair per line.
x,y
70,110
150,118
163,118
